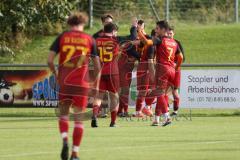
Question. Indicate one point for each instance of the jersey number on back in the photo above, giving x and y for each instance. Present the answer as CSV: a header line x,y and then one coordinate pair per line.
x,y
170,50
70,50
106,54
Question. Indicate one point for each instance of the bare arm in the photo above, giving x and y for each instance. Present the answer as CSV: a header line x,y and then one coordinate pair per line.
x,y
96,64
179,61
54,50
146,41
97,67
50,62
151,68
181,49
143,38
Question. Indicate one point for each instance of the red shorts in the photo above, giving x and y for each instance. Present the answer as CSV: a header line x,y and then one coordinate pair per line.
x,y
74,86
78,95
109,83
177,79
165,76
77,101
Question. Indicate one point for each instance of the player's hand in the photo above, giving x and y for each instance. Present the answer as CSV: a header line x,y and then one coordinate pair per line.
x,y
143,31
177,69
134,21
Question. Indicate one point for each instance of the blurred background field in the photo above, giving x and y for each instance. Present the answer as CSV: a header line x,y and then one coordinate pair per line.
x,y
202,44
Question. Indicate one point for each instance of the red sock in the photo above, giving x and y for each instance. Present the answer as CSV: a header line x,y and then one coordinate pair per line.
x,y
63,123
113,116
123,104
161,102
139,103
157,110
125,108
176,103
166,99
95,110
77,137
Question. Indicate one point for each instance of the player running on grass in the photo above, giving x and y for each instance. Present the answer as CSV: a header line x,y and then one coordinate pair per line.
x,y
74,48
164,71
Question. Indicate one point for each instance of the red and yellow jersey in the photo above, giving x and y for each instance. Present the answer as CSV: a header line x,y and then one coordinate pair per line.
x,y
166,51
143,51
74,49
108,50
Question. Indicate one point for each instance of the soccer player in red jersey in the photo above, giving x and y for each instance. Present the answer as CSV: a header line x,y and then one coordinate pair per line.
x,y
177,78
106,18
126,65
74,48
164,71
108,49
143,81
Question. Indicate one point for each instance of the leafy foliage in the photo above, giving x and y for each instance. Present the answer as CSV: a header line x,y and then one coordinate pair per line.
x,y
22,13
26,18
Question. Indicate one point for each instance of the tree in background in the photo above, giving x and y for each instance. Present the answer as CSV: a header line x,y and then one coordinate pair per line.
x,y
22,19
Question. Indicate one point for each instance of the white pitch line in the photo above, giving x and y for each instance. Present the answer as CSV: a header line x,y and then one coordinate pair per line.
x,y
114,148
26,154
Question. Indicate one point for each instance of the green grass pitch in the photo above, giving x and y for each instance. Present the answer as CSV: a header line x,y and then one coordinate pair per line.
x,y
203,138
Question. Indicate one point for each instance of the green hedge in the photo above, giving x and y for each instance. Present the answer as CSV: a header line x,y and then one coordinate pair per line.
x,y
22,19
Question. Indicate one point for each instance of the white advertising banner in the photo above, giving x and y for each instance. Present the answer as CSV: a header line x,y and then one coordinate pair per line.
x,y
210,89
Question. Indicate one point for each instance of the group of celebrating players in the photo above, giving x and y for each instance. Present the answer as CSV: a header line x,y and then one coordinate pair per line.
x,y
112,59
